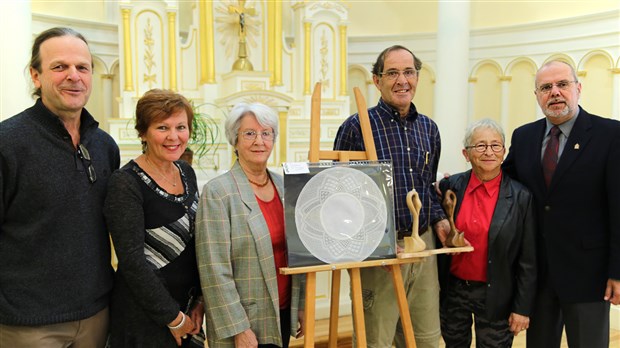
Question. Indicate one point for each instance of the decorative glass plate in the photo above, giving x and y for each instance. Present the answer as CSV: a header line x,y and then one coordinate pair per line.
x,y
340,213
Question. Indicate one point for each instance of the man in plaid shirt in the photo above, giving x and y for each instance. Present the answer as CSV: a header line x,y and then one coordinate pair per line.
x,y
412,142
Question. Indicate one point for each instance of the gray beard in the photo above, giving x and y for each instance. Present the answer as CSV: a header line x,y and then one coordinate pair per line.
x,y
565,112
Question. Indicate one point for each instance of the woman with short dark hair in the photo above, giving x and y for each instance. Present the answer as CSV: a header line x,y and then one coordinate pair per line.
x,y
150,210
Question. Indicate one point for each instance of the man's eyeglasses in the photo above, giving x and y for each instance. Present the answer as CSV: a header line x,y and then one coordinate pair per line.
x,y
547,87
483,147
85,157
252,134
393,74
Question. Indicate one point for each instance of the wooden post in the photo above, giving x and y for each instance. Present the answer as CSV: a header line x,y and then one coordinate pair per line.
x,y
309,310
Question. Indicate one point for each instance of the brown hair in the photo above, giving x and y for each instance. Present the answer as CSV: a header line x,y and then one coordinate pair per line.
x,y
377,68
35,58
158,104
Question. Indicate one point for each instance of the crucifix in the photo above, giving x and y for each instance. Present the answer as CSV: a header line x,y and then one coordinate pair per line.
x,y
242,63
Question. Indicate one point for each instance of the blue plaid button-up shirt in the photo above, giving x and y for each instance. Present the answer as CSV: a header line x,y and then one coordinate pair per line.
x,y
413,145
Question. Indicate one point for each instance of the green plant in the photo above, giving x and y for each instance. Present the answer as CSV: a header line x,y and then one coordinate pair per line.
x,y
205,131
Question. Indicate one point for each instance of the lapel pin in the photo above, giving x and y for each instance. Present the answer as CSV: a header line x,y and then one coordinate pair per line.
x,y
576,146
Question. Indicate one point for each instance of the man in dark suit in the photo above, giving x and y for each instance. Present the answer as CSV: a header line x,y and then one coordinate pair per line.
x,y
576,188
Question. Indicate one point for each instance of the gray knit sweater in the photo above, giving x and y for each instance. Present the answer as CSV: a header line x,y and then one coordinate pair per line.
x,y
54,246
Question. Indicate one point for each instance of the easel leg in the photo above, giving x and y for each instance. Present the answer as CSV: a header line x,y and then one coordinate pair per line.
x,y
358,307
403,306
334,309
310,309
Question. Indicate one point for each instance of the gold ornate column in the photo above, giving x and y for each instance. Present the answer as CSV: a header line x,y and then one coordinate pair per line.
x,y
274,32
207,51
343,60
127,50
277,39
283,141
172,50
307,57
271,42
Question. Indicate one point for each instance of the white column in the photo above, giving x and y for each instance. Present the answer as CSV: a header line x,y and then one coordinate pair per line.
x,y
471,94
15,43
452,73
615,103
505,113
108,101
371,91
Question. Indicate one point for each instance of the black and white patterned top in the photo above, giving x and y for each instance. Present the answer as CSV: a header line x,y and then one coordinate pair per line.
x,y
166,242
153,235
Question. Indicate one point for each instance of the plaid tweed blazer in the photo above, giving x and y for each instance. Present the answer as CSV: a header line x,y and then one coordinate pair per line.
x,y
236,263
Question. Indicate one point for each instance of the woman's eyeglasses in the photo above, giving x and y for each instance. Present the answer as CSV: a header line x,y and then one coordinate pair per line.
x,y
252,134
483,147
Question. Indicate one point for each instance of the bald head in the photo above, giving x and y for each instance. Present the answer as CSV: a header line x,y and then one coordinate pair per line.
x,y
557,91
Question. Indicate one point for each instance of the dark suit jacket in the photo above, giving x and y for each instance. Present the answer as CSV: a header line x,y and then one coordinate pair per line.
x,y
511,270
578,216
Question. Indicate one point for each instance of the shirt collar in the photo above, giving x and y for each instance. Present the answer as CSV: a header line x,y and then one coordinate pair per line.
x,y
47,117
411,116
490,187
565,127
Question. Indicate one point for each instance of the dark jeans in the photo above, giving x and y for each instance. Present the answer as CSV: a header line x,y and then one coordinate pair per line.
x,y
285,328
464,299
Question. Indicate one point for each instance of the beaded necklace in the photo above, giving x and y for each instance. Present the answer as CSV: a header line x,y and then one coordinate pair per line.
x,y
259,184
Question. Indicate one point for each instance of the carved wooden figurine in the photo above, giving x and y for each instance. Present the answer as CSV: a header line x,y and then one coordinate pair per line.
x,y
414,243
455,238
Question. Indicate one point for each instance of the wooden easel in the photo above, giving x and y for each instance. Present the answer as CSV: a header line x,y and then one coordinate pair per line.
x,y
354,267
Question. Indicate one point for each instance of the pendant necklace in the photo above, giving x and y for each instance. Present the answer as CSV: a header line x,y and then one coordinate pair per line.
x,y
173,183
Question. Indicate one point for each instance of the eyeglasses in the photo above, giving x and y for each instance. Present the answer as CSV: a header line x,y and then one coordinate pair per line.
x,y
394,74
85,157
252,134
547,87
483,147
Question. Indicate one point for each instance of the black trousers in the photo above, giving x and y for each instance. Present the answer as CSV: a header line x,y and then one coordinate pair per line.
x,y
586,324
463,305
285,329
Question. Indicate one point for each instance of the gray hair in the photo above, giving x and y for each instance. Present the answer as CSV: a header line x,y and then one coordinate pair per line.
x,y
265,115
485,123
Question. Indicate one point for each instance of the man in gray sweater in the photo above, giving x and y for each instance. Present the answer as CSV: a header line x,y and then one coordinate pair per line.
x,y
55,273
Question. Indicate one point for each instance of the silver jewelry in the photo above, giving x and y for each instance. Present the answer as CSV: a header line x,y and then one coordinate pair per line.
x,y
173,183
179,325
